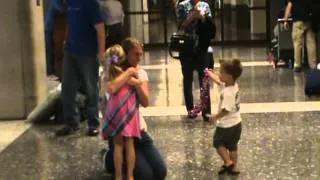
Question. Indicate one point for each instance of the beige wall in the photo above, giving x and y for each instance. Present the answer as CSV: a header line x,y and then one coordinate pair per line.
x,y
22,58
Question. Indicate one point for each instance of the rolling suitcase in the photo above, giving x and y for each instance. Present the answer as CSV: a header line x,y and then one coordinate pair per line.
x,y
312,86
285,51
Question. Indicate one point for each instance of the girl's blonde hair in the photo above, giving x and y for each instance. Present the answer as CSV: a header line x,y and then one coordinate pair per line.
x,y
115,57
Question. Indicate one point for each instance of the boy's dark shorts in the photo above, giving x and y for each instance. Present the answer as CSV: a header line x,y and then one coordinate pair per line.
x,y
227,137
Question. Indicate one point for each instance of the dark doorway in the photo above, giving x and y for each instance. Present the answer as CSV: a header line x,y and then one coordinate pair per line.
x,y
237,21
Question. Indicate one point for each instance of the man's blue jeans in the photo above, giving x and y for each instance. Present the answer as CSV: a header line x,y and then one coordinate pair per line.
x,y
79,70
50,52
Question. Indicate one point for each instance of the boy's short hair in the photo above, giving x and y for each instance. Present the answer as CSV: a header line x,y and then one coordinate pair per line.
x,y
232,67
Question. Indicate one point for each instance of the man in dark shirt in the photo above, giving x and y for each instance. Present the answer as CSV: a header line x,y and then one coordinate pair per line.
x,y
85,45
302,26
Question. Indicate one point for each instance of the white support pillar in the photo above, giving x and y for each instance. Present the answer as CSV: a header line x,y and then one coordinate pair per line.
x,y
22,58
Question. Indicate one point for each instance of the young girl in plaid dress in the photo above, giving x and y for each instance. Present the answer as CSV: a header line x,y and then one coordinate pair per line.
x,y
122,112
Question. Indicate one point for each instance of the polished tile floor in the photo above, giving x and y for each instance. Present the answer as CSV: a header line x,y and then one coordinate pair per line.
x,y
280,140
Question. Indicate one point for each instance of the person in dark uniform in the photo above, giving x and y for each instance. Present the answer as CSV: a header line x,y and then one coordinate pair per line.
x,y
193,17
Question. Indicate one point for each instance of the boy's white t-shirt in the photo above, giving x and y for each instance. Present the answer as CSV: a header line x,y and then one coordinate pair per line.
x,y
230,101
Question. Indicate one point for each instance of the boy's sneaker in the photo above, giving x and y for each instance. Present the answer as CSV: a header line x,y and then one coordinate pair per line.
x,y
67,130
225,169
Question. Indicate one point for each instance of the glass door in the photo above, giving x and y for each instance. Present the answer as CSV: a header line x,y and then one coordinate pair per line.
x,y
145,20
240,20
237,21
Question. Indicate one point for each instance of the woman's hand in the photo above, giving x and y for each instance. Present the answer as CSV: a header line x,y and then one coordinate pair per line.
x,y
132,71
286,25
197,15
114,85
134,82
191,16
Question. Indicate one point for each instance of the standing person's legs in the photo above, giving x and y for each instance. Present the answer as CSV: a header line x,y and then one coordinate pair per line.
x,y
50,52
118,155
203,62
89,67
187,66
130,157
224,154
234,156
235,135
297,37
311,46
220,145
70,84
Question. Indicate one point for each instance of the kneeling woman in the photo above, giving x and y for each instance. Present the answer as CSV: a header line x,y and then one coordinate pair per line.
x,y
148,161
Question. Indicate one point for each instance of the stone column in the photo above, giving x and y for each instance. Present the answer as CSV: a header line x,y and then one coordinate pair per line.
x,y
22,58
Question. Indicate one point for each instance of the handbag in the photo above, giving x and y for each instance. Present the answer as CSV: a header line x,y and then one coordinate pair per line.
x,y
181,43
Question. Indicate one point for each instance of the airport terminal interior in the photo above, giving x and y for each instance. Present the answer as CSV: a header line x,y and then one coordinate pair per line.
x,y
280,124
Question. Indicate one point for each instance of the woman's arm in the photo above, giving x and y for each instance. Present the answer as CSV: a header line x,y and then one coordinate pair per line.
x,y
114,85
142,86
287,14
143,93
142,90
288,11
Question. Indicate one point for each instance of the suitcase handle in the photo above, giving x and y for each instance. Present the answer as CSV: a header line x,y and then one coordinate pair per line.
x,y
284,20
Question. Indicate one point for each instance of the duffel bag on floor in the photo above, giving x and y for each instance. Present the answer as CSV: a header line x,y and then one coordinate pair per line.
x,y
312,86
